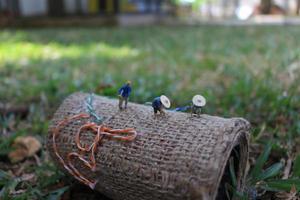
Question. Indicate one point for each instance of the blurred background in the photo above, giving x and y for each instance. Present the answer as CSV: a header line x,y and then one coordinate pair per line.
x,y
121,11
243,56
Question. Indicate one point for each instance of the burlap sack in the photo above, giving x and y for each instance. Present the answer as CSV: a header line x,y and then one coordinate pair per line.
x,y
173,157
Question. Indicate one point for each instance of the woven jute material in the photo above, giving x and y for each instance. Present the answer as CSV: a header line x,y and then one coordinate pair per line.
x,y
176,156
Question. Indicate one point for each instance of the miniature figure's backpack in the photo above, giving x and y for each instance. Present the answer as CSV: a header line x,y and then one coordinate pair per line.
x,y
176,156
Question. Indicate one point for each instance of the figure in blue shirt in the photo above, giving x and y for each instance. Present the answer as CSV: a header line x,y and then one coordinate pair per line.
x,y
124,93
159,103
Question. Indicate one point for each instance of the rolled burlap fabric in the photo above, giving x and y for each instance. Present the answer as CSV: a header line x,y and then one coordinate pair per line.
x,y
176,156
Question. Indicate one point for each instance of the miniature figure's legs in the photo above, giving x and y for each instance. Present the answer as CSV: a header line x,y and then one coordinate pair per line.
x,y
198,111
161,111
193,110
155,111
126,101
121,99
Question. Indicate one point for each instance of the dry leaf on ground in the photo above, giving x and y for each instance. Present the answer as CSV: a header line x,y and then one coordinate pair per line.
x,y
25,146
292,195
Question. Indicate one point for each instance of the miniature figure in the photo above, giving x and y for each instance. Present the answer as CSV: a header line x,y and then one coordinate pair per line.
x,y
124,93
159,103
198,102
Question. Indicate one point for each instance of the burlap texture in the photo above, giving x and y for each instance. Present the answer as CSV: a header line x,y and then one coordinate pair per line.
x,y
173,157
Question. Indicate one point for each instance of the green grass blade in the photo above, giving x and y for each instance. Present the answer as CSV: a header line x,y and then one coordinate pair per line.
x,y
260,162
296,167
270,172
283,184
56,194
235,194
232,172
4,175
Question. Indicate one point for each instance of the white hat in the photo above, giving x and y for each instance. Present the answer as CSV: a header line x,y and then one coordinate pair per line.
x,y
199,100
165,101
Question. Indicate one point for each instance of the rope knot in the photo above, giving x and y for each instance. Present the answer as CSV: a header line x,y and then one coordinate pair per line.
x,y
100,131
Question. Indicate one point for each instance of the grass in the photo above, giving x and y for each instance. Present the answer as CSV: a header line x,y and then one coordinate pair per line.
x,y
253,72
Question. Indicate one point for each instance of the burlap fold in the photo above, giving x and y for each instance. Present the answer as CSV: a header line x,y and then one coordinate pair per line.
x,y
173,157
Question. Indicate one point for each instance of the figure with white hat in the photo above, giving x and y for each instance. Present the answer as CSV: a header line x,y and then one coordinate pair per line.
x,y
159,103
124,93
198,102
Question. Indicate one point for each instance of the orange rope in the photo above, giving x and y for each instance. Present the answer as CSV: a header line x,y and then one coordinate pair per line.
x,y
100,132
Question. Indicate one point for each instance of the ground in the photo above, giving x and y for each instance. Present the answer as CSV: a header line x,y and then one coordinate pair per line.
x,y
251,72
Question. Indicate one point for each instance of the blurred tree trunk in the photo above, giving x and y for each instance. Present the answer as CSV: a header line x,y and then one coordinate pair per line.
x,y
266,6
78,7
224,8
102,6
298,7
116,6
236,4
287,6
13,7
56,8
173,7
209,7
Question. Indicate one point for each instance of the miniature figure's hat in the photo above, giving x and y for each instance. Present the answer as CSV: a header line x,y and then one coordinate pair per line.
x,y
199,100
128,82
165,101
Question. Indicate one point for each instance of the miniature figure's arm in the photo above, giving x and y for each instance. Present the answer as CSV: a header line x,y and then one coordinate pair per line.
x,y
121,90
129,90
